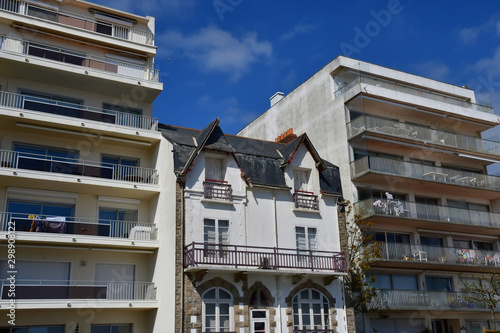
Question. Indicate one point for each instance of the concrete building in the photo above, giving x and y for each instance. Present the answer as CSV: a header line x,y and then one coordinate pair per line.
x,y
412,159
84,202
257,227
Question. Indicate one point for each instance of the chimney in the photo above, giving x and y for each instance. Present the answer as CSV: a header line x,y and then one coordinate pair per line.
x,y
286,137
276,98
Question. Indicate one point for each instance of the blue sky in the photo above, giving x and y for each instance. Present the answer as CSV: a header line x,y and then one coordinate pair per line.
x,y
225,58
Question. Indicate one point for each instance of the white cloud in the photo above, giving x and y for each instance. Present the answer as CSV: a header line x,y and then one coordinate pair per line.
x,y
216,50
471,34
155,8
433,69
298,29
228,110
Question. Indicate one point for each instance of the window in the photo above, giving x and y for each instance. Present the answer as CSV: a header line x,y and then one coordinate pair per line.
x,y
20,211
47,272
395,282
217,303
55,53
306,239
42,13
301,180
116,222
472,245
215,232
427,208
213,169
36,329
123,167
112,328
311,310
34,151
438,283
461,211
48,159
432,241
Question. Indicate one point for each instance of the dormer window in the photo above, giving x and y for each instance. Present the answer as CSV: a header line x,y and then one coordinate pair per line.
x,y
215,187
303,196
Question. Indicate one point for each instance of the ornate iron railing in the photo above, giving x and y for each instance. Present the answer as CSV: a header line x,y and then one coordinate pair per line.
x,y
305,200
217,189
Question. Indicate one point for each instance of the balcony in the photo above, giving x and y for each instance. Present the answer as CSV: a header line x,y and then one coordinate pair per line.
x,y
411,253
217,190
422,300
426,212
421,134
39,104
65,290
15,160
78,21
306,200
389,172
414,91
271,258
77,59
36,224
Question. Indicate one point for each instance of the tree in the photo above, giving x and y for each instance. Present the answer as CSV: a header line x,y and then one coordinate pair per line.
x,y
484,290
362,252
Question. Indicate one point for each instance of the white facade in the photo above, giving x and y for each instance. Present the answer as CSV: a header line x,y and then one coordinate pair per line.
x,y
86,180
420,141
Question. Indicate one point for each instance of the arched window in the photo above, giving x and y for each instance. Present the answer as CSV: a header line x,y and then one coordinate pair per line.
x,y
311,310
217,303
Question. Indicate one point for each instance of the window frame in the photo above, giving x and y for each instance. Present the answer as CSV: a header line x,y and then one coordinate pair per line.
x,y
297,310
218,302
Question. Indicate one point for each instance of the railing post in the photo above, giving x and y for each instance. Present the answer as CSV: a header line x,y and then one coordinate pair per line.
x,y
311,259
235,256
275,258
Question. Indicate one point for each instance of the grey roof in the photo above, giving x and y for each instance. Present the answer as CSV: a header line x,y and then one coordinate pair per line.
x,y
261,162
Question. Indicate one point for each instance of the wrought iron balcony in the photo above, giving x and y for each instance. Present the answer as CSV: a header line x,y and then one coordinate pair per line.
x,y
217,190
124,68
45,163
422,300
32,223
402,252
422,134
305,200
49,289
238,256
399,168
412,210
410,90
78,21
26,102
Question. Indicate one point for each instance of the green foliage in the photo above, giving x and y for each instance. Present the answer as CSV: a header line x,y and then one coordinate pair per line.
x,y
362,252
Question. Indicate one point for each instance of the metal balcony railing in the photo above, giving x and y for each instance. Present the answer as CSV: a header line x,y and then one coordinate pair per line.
x,y
26,102
263,257
399,168
217,189
305,200
422,300
34,223
422,134
403,252
428,212
315,331
78,21
50,289
410,90
74,58
45,163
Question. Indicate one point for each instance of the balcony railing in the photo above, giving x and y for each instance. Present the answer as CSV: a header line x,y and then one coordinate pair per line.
x,y
420,92
218,190
315,331
423,134
26,102
420,211
263,257
48,289
45,163
78,21
422,300
398,168
33,223
441,255
305,200
74,58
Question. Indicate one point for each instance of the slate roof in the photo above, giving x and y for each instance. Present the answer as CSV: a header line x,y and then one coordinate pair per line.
x,y
261,162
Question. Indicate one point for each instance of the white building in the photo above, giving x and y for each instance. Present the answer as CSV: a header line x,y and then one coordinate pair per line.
x,y
419,141
259,234
80,182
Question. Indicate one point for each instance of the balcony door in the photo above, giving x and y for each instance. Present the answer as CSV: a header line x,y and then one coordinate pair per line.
x,y
215,236
259,321
118,279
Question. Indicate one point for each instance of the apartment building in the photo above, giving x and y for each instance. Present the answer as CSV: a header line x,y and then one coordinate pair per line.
x,y
257,234
413,161
83,199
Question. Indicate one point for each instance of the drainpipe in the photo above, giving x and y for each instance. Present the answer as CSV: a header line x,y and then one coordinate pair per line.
x,y
182,256
278,310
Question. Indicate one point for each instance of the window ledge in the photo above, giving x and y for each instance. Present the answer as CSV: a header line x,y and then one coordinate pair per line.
x,y
305,210
224,202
